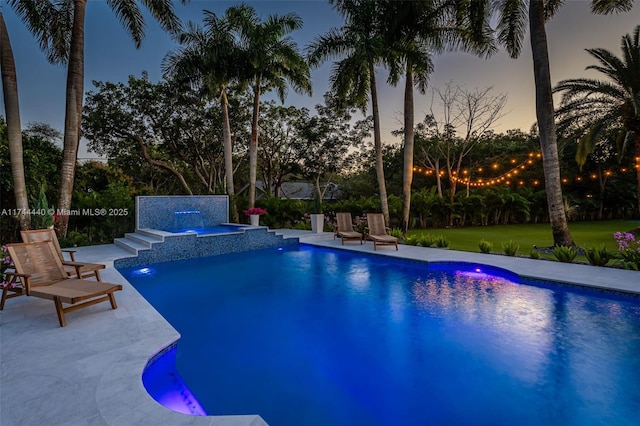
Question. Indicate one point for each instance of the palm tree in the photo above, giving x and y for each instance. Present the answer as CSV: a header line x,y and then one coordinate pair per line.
x,y
40,20
360,45
14,130
606,107
209,62
130,15
271,60
413,32
512,20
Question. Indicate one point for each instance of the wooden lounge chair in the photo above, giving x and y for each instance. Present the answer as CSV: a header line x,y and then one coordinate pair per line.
x,y
377,231
344,228
73,268
41,274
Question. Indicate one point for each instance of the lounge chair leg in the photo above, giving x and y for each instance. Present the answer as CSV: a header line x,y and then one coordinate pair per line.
x,y
112,299
59,311
98,276
5,291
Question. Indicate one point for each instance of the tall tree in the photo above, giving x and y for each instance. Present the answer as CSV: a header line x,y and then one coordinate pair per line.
x,y
279,130
413,32
513,16
598,109
463,119
209,61
50,28
271,59
14,130
359,47
130,15
322,145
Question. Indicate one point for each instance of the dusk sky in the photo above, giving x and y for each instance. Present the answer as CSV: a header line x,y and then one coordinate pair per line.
x,y
111,56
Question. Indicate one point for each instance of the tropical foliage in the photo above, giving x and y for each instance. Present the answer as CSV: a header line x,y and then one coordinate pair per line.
x,y
607,111
196,131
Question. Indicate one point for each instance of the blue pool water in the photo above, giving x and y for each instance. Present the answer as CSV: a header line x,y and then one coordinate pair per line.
x,y
309,336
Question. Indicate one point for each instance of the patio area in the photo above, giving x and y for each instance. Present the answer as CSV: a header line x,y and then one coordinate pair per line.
x,y
90,371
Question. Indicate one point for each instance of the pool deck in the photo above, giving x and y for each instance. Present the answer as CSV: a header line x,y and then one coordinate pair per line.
x,y
89,372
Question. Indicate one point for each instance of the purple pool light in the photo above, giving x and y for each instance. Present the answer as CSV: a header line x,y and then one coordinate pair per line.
x,y
165,385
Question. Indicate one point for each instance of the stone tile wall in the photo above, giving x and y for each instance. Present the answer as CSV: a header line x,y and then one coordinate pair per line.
x,y
180,247
158,212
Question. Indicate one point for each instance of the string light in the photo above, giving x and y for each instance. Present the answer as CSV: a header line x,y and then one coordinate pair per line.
x,y
507,177
488,181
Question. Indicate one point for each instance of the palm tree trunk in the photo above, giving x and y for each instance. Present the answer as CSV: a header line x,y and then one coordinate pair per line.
x,y
14,129
377,141
253,145
73,114
407,175
228,154
546,125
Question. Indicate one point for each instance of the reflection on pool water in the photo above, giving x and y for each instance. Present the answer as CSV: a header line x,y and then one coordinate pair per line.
x,y
310,336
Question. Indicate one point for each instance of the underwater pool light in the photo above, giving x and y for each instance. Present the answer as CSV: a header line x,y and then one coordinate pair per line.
x,y
143,272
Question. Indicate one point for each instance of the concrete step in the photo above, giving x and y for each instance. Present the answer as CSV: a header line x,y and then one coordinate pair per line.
x,y
143,239
153,233
130,245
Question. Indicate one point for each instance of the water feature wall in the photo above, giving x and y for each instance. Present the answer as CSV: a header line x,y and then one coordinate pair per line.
x,y
188,219
170,212
157,216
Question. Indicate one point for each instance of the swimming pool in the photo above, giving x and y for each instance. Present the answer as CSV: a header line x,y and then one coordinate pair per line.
x,y
316,336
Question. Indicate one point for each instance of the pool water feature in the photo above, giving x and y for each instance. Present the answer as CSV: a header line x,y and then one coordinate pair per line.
x,y
313,336
209,230
187,219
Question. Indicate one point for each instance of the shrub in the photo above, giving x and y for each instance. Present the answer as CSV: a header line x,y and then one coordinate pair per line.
x,y
74,239
441,241
565,254
412,240
629,250
534,254
427,240
598,256
510,248
396,232
485,246
42,216
5,263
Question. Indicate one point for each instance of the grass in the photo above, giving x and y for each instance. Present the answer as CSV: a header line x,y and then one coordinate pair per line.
x,y
585,235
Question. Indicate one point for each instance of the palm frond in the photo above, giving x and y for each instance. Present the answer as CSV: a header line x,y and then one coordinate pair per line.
x,y
50,22
512,24
163,12
607,7
130,16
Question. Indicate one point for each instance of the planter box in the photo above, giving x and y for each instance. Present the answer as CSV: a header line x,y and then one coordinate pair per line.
x,y
317,223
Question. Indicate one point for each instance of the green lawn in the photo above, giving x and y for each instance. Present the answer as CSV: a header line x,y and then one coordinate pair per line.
x,y
585,235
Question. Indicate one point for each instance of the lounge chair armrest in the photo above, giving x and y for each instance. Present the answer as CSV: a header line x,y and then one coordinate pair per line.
x,y
16,274
72,263
72,254
78,266
24,279
81,264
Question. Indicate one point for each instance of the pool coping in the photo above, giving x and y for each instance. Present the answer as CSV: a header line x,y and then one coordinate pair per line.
x,y
90,371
